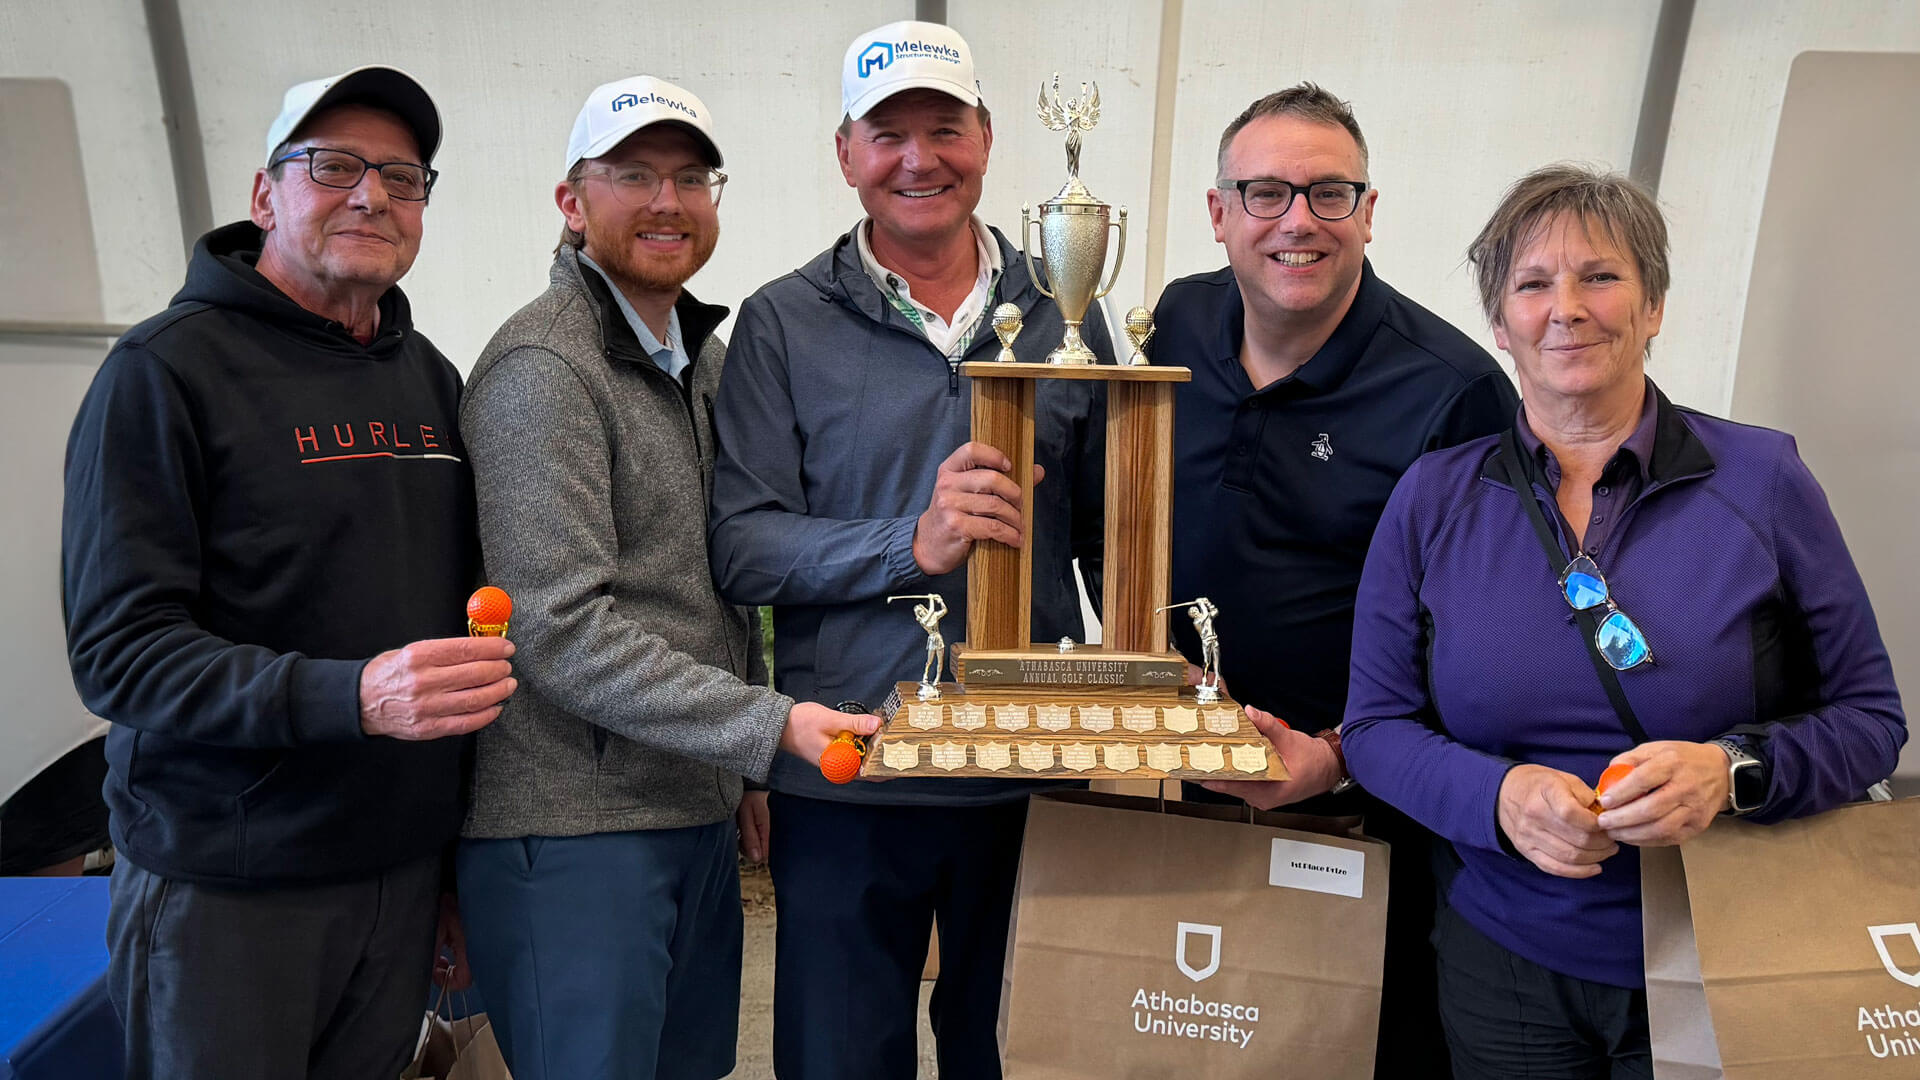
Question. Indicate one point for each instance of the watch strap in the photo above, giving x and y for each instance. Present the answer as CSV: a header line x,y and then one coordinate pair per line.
x,y
1331,736
1744,769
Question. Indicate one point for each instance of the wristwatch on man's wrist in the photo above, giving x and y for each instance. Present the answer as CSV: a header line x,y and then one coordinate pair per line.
x,y
1332,738
1746,777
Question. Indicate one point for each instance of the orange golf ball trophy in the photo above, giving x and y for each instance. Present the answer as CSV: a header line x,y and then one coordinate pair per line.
x,y
487,612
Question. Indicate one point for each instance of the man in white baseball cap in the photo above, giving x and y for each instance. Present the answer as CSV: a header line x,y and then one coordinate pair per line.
x,y
268,543
604,911
906,56
845,475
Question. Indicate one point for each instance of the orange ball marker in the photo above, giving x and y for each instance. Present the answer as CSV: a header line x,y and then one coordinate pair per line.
x,y
1613,775
840,761
487,612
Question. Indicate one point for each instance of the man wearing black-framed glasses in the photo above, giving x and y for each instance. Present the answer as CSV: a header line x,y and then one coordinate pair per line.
x,y
1315,385
268,541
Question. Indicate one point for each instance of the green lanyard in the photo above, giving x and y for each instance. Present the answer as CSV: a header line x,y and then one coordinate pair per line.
x,y
965,341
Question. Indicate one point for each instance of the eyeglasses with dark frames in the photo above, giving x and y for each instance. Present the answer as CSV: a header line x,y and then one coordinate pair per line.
x,y
1329,200
404,180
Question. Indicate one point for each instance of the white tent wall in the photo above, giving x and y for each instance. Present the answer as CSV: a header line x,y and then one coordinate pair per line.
x,y
100,49
1725,117
97,175
508,78
1457,100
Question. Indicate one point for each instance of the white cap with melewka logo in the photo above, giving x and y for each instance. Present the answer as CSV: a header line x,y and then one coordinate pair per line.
x,y
618,109
376,85
905,56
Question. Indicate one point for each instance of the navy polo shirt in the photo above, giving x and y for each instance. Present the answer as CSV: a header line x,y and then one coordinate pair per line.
x,y
1277,490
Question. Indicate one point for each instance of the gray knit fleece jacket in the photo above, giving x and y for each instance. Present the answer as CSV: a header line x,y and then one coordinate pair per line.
x,y
642,699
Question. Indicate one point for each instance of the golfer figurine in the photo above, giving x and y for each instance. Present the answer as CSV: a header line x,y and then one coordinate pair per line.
x,y
1202,611
928,615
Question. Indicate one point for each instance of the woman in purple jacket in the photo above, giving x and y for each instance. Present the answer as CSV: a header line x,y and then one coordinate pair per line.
x,y
1615,581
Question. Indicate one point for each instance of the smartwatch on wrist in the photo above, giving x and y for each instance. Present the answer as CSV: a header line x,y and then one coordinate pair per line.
x,y
1746,777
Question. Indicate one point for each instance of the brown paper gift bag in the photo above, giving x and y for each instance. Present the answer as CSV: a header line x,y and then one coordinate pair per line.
x,y
1157,939
1787,952
462,1049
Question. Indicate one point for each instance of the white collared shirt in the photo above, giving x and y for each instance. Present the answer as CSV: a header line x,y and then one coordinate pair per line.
x,y
671,357
950,336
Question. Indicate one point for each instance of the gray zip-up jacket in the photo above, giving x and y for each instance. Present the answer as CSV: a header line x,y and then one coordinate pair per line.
x,y
640,704
833,417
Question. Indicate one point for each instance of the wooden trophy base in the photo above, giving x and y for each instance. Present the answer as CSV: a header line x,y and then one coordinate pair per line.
x,y
1033,709
1063,732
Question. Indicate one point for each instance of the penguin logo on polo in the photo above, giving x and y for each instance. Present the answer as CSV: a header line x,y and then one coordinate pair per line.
x,y
1880,934
876,57
1185,933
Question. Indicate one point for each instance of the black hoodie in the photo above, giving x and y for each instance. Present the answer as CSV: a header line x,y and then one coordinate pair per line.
x,y
256,504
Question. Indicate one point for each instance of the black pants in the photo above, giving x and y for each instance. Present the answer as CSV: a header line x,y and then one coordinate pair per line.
x,y
1411,1045
325,981
1507,1017
857,889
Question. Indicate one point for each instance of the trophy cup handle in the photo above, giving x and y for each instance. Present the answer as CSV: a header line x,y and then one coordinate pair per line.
x,y
1119,256
1026,233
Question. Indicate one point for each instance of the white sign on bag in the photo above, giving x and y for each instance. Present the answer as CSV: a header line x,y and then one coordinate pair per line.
x,y
1321,868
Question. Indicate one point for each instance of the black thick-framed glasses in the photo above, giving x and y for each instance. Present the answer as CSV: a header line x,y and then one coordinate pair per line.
x,y
1329,200
636,184
344,169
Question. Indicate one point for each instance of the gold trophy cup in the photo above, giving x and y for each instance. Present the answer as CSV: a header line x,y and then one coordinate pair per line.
x,y
1073,228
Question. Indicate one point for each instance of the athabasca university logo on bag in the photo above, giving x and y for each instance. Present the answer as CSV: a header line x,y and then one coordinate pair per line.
x,y
1879,934
1187,1015
1186,932
1889,1028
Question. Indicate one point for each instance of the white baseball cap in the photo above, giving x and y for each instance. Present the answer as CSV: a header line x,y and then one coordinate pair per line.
x,y
905,56
376,85
618,109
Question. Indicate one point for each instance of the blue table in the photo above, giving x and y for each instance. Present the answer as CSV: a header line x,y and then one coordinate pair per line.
x,y
55,1020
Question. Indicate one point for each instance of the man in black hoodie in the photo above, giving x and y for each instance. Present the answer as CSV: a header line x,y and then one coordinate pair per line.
x,y
265,487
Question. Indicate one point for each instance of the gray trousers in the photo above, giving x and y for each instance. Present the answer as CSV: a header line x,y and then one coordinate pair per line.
x,y
319,981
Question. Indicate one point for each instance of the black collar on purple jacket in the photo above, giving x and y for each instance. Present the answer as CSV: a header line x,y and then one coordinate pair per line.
x,y
1677,451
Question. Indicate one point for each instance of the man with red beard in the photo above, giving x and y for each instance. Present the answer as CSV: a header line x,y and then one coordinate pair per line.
x,y
597,870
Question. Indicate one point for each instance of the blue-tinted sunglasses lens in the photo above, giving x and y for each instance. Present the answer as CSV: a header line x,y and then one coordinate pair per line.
x,y
1621,642
1584,590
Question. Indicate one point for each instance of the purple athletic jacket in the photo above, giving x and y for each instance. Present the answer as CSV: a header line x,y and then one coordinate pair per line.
x,y
1468,661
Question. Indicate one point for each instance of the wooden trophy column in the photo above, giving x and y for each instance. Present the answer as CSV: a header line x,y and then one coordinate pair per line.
x,y
1000,578
1139,497
1020,708
1139,512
